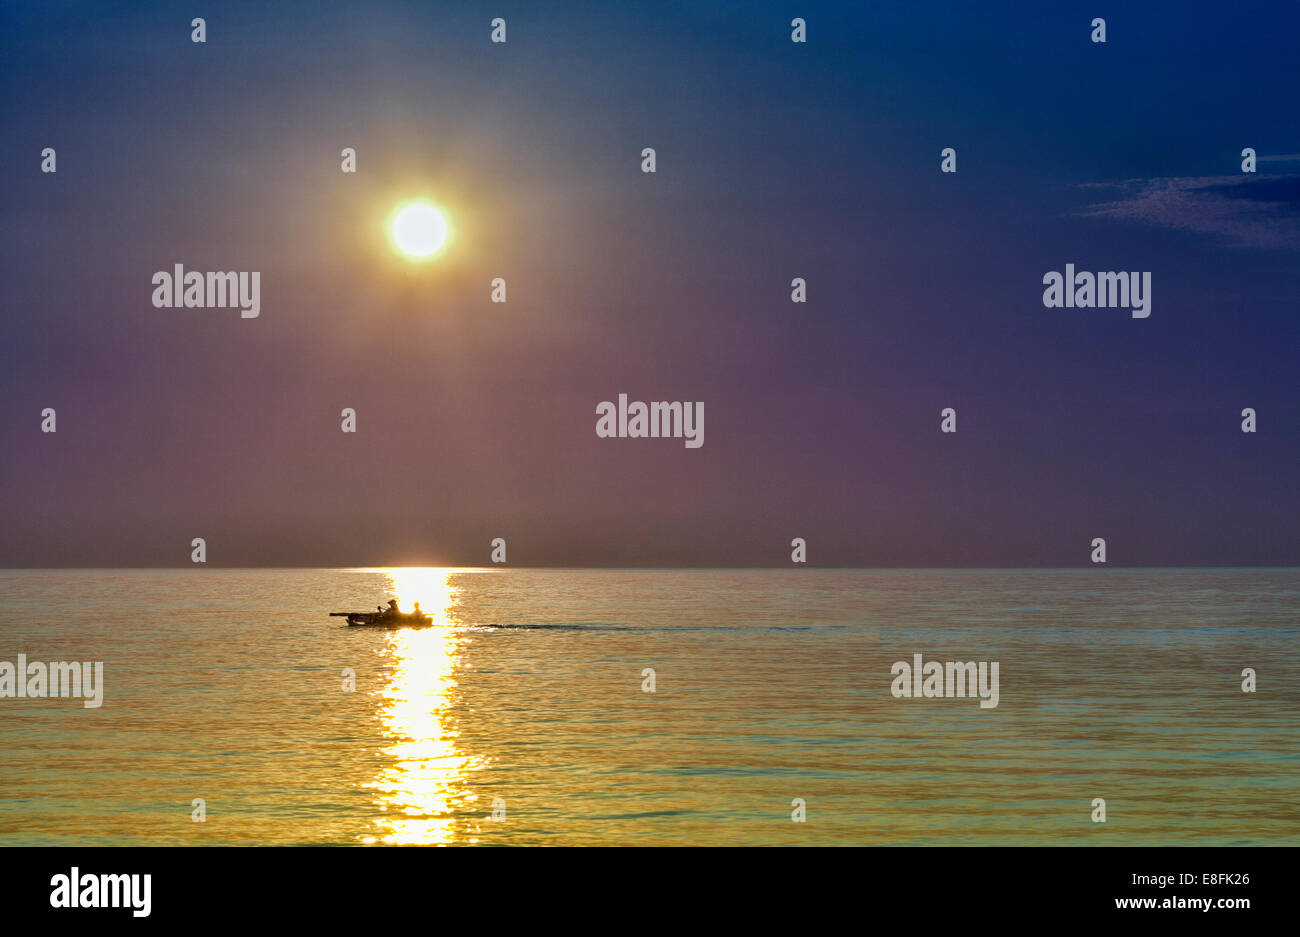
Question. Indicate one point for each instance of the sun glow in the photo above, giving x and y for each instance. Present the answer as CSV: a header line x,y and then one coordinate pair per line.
x,y
419,230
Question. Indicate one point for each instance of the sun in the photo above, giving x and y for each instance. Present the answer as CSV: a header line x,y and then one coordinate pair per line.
x,y
419,230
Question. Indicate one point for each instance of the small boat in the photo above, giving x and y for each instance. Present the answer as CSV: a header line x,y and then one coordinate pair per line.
x,y
385,619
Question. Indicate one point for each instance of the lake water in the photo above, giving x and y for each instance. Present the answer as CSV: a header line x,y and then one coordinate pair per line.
x,y
770,685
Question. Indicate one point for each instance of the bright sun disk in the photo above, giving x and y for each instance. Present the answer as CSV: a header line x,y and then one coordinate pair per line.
x,y
419,230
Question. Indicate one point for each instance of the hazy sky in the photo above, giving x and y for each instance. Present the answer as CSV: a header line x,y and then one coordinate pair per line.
x,y
775,160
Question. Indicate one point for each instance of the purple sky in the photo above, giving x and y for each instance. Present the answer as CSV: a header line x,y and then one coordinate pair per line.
x,y
775,160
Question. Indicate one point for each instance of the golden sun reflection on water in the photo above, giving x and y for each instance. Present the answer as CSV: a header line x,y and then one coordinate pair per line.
x,y
425,775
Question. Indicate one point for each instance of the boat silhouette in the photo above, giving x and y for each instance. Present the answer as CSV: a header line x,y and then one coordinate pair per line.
x,y
385,619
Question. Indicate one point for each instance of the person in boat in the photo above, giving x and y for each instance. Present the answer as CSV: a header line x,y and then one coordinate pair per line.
x,y
392,609
417,613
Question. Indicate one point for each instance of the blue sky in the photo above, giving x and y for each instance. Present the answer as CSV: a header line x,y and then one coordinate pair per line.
x,y
775,160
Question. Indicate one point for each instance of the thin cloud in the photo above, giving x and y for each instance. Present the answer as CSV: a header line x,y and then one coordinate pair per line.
x,y
1247,210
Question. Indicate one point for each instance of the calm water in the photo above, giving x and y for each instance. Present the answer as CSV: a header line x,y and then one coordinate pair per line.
x,y
770,686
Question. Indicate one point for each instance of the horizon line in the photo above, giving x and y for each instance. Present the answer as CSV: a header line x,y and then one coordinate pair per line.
x,y
504,566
